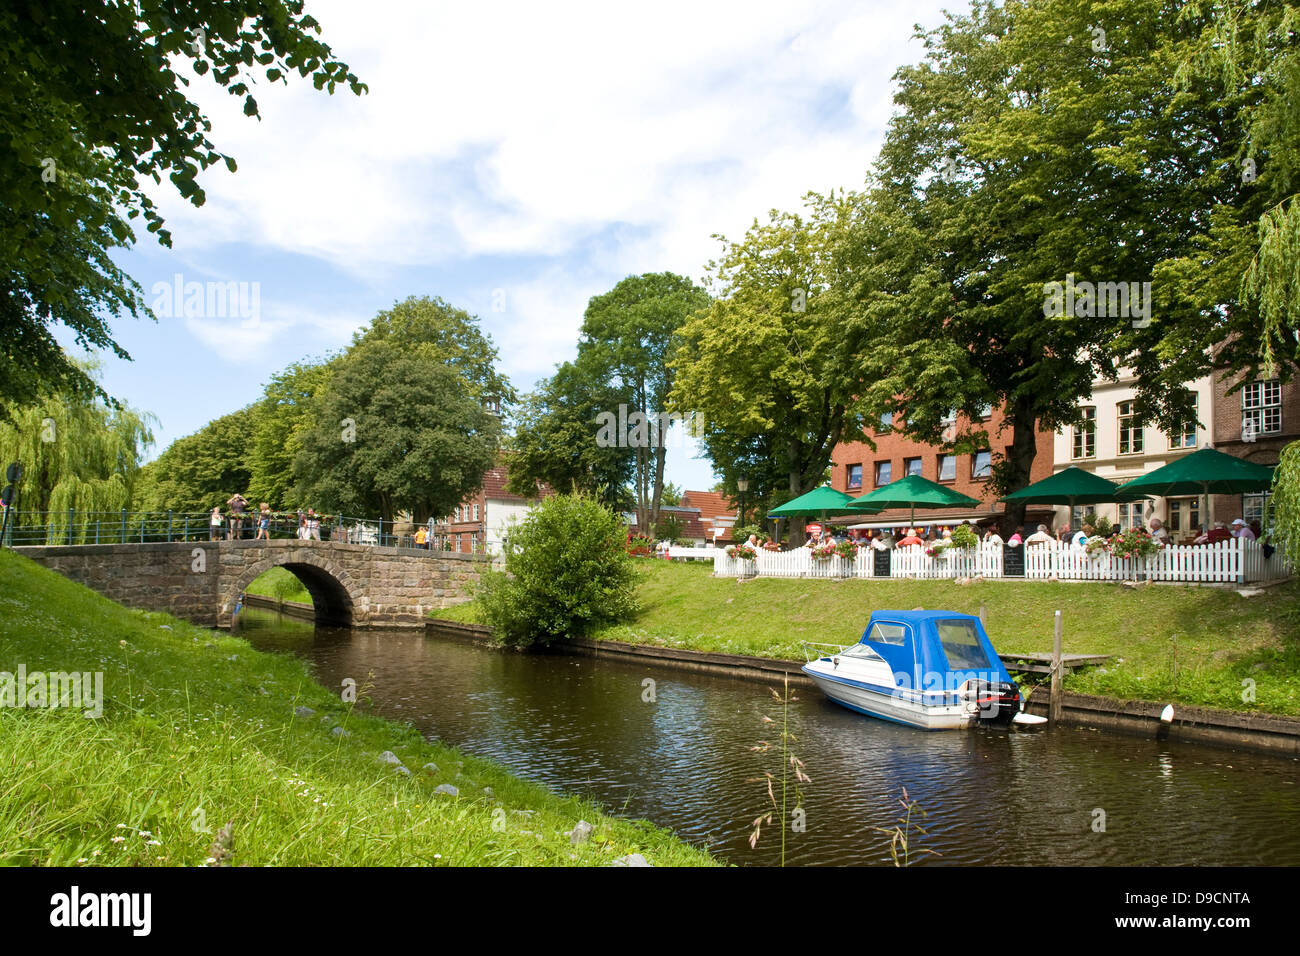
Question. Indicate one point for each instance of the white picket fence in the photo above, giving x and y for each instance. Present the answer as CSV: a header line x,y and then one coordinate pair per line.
x,y
1234,561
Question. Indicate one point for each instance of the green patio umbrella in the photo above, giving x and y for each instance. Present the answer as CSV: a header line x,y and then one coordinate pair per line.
x,y
911,492
1205,472
1073,486
824,502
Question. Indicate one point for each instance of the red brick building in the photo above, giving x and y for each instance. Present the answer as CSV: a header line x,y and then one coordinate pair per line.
x,y
1255,423
717,514
857,469
480,522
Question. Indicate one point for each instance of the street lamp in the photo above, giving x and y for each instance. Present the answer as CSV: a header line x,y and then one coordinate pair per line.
x,y
742,485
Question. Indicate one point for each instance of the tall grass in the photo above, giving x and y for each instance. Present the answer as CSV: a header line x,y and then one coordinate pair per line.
x,y
199,730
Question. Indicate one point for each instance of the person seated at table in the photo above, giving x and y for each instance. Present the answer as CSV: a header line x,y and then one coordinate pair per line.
x,y
1061,536
1080,537
1039,537
1158,532
910,539
991,535
1199,536
882,540
1218,533
1242,530
1017,539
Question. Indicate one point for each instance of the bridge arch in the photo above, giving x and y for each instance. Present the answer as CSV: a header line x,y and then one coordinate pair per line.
x,y
335,595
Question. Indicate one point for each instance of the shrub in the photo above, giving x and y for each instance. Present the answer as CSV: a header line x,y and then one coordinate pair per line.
x,y
964,536
567,571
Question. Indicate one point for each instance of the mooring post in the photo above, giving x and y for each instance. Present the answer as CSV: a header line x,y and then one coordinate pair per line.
x,y
984,617
1054,702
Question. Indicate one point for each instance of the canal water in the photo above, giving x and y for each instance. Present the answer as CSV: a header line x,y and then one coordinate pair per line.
x,y
684,761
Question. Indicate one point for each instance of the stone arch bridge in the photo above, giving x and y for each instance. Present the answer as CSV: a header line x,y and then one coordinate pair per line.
x,y
200,581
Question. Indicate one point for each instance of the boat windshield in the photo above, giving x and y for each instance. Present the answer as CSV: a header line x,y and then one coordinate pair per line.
x,y
862,651
962,645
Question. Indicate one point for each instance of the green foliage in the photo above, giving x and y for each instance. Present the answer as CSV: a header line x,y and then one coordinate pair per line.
x,y
964,536
90,110
279,423
395,431
566,573
555,438
764,364
628,336
76,453
1285,504
203,470
669,528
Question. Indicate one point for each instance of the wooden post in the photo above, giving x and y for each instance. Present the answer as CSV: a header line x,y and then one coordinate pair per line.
x,y
1054,702
984,617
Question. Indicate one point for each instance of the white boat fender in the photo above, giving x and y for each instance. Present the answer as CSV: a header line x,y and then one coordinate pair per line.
x,y
1028,720
1167,715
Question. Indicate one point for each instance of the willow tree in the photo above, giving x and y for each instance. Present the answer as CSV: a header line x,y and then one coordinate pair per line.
x,y
78,455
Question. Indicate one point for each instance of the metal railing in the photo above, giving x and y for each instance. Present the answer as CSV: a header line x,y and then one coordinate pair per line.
x,y
72,527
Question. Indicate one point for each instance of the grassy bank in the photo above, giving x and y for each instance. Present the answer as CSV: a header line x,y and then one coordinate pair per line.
x,y
198,729
1217,638
282,584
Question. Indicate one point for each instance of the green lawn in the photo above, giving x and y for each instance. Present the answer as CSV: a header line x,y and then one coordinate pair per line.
x,y
1219,638
280,583
199,729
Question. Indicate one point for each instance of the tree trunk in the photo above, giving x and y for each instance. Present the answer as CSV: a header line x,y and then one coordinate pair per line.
x,y
1024,445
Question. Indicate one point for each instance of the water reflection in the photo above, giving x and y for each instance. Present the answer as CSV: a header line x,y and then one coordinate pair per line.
x,y
993,796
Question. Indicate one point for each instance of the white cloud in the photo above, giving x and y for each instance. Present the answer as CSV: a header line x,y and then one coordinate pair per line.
x,y
528,128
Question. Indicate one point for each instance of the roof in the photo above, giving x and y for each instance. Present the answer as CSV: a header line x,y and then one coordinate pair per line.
x,y
494,487
712,506
688,517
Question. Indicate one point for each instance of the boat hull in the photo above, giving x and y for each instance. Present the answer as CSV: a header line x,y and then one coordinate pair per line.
x,y
887,704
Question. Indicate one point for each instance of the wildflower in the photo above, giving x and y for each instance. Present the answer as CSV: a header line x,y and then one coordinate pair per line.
x,y
94,853
118,840
83,860
153,842
145,833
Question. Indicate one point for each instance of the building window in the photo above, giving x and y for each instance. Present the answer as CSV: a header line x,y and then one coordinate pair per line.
x,y
1076,516
1185,437
1130,515
886,422
1261,408
947,467
912,466
949,417
986,411
981,465
855,476
1184,515
1130,433
475,512
1085,435
883,471
1254,507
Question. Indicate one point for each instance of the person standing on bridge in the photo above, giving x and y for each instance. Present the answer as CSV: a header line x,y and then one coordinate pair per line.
x,y
313,525
216,521
263,522
237,504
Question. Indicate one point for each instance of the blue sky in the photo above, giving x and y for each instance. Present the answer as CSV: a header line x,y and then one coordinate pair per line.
x,y
514,159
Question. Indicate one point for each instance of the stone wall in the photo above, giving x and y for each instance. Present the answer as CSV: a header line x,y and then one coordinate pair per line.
x,y
352,584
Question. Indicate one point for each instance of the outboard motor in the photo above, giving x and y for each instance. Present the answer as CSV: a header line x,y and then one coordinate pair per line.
x,y
996,700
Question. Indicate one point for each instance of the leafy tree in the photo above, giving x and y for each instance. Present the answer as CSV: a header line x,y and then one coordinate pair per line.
x,y
628,335
566,572
764,365
442,333
202,470
555,439
394,431
672,495
91,104
1284,505
76,452
1004,172
280,422
1242,270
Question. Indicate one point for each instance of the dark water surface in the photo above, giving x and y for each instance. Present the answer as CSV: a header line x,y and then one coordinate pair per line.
x,y
992,796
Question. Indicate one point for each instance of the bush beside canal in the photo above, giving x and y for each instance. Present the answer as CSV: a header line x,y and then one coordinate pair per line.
x,y
1195,645
198,729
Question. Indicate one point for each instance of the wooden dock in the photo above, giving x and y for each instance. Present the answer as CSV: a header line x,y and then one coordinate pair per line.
x,y
1042,663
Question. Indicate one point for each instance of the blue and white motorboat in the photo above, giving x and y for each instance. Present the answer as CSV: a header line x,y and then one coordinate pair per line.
x,y
936,670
